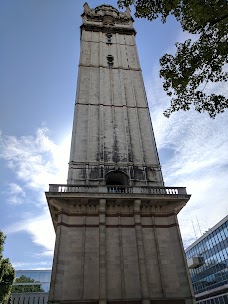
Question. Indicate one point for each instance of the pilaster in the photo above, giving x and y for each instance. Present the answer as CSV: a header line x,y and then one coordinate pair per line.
x,y
141,253
102,252
159,259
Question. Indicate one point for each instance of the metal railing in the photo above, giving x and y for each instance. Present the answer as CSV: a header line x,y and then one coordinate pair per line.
x,y
115,189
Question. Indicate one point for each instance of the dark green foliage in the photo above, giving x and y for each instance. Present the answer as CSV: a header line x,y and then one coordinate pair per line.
x,y
197,64
7,273
26,288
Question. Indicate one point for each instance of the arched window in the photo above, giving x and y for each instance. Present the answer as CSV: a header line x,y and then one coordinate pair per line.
x,y
110,59
117,178
109,38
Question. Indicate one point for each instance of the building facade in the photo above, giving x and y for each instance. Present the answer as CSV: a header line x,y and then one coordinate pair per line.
x,y
117,234
208,264
31,287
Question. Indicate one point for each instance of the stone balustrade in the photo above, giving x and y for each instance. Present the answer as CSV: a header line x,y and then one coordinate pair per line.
x,y
115,189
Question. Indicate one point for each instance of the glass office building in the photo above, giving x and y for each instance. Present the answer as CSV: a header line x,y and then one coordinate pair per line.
x,y
208,265
33,280
31,287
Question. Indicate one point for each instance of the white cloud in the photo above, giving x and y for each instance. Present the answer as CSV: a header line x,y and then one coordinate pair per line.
x,y
16,189
39,227
36,161
198,158
29,265
16,194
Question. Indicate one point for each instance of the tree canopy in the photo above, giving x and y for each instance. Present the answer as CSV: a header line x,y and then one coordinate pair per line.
x,y
197,64
7,273
26,288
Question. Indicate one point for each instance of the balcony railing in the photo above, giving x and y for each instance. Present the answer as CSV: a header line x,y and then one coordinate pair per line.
x,y
117,189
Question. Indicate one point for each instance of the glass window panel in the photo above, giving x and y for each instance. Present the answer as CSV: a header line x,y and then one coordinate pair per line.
x,y
210,244
20,273
35,276
48,276
213,241
220,236
217,238
45,287
221,301
225,298
41,275
223,234
226,232
29,275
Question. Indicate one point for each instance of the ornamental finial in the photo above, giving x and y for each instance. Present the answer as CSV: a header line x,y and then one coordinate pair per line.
x,y
86,7
128,11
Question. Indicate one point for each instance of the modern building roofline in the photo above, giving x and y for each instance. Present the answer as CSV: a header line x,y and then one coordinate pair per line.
x,y
207,233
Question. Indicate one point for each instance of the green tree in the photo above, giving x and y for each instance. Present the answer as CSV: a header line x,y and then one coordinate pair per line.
x,y
7,273
26,288
196,64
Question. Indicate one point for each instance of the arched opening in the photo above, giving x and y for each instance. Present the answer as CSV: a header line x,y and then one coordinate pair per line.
x,y
116,178
110,59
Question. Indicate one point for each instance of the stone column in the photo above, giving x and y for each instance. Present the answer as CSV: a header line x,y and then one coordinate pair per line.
x,y
192,300
141,253
102,257
159,258
55,285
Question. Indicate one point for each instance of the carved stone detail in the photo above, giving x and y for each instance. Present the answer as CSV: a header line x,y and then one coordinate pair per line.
x,y
107,15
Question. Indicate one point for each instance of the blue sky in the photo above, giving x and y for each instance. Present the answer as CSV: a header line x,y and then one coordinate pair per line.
x,y
39,58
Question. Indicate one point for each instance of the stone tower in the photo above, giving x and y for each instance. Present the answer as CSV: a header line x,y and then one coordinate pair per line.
x,y
117,235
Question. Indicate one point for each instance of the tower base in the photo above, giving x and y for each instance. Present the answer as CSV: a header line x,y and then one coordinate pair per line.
x,y
118,247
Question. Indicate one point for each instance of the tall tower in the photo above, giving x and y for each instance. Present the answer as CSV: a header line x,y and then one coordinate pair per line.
x,y
117,235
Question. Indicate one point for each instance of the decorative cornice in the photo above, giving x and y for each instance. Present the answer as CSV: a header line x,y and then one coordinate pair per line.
x,y
116,226
106,67
75,214
107,29
112,105
107,15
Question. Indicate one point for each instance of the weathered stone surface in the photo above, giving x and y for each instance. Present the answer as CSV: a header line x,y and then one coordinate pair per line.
x,y
112,125
115,247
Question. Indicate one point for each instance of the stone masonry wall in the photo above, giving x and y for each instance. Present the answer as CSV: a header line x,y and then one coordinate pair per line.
x,y
112,122
111,254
